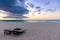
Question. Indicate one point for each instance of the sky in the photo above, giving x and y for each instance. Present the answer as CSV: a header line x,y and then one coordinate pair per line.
x,y
29,9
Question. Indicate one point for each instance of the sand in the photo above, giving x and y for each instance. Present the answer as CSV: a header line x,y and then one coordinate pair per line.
x,y
34,30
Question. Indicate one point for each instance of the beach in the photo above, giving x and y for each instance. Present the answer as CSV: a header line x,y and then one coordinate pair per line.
x,y
34,30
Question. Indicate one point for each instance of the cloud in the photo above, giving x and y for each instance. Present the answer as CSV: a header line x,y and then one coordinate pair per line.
x,y
10,6
47,3
15,17
51,10
31,5
33,8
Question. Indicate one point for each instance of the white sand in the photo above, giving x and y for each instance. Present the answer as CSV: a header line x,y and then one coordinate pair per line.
x,y
35,31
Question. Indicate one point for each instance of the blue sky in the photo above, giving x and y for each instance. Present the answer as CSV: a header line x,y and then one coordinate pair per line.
x,y
46,3
36,9
49,9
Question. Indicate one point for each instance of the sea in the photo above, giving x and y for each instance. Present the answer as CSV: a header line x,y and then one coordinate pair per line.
x,y
29,20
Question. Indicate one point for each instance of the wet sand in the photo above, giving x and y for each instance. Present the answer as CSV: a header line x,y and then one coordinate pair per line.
x,y
34,30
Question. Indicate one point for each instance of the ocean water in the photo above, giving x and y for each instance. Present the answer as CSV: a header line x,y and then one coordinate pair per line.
x,y
12,20
44,21
29,20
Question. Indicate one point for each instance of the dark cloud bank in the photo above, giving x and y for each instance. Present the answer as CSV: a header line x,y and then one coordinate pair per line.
x,y
9,6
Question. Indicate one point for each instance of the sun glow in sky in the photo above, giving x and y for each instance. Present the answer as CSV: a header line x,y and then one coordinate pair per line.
x,y
3,14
